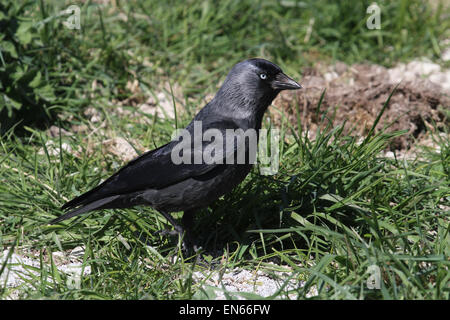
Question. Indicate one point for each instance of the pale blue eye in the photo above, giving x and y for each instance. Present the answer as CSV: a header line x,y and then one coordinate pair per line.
x,y
263,76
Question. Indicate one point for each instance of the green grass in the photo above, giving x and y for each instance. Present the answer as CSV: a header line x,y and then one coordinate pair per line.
x,y
46,68
336,207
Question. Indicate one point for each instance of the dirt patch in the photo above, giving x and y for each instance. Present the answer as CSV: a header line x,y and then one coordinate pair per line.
x,y
360,91
120,148
160,101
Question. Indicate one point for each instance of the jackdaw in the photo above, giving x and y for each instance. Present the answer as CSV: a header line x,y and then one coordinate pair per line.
x,y
154,179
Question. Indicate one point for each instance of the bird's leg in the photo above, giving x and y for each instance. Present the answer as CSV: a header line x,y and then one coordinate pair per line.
x,y
182,230
178,228
187,221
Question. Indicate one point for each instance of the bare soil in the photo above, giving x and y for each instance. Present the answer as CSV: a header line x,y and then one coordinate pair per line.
x,y
359,93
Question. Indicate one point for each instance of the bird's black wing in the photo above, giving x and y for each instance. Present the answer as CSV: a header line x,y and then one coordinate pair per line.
x,y
153,170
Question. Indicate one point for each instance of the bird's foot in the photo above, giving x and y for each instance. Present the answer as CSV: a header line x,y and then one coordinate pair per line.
x,y
189,247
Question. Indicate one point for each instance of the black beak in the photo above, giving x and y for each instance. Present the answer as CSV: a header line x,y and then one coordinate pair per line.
x,y
283,82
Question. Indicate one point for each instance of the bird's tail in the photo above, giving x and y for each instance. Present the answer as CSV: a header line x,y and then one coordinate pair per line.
x,y
99,204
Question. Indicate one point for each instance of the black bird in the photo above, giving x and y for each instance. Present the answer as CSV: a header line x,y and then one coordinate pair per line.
x,y
154,179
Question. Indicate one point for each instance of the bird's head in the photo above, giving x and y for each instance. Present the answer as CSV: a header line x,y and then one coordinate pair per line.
x,y
267,75
256,82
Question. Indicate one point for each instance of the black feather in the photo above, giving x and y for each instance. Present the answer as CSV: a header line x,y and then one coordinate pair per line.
x,y
154,179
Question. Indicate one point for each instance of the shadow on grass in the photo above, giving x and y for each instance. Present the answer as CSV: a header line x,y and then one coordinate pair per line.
x,y
261,208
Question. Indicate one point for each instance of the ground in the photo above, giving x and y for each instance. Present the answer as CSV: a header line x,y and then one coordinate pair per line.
x,y
348,205
358,92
